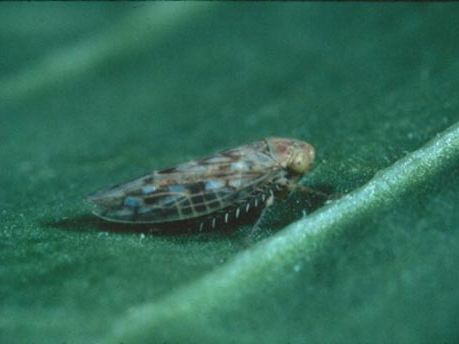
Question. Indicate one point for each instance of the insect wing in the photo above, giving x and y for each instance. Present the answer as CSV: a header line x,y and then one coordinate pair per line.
x,y
190,190
187,201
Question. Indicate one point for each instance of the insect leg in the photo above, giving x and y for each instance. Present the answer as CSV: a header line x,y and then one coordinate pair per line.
x,y
308,191
267,204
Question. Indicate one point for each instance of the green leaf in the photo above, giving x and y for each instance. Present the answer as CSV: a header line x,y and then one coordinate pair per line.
x,y
96,93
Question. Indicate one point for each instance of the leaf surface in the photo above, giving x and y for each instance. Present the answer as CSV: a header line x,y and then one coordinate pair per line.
x,y
95,94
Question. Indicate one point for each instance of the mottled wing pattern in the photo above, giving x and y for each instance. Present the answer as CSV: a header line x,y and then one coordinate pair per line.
x,y
192,189
186,201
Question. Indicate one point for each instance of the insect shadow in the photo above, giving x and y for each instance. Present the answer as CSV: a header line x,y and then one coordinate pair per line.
x,y
274,218
90,222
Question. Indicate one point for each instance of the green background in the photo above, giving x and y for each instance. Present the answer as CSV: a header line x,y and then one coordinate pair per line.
x,y
93,94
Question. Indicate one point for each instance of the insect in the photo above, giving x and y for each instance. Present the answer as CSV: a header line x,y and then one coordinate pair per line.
x,y
214,190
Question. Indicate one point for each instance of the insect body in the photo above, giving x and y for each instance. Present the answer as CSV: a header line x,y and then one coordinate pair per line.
x,y
213,190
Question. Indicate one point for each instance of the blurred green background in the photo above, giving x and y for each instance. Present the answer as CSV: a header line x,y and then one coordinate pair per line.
x,y
93,94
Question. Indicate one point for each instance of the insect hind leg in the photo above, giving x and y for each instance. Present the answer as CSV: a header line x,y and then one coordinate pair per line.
x,y
256,228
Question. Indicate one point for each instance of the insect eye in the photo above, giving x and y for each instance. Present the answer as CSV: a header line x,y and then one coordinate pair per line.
x,y
299,163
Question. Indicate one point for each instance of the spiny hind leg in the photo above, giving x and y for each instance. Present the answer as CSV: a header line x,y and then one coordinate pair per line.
x,y
256,228
318,196
307,190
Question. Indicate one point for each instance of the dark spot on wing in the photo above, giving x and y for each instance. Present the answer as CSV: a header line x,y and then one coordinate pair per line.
x,y
200,208
210,196
197,199
148,180
150,200
184,203
185,207
214,205
187,211
168,170
169,212
227,195
196,188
